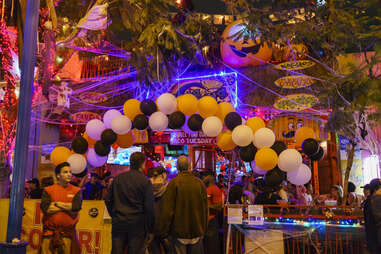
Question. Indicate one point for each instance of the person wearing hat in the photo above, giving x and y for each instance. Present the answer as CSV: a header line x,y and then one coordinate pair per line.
x,y
159,180
35,192
372,217
366,190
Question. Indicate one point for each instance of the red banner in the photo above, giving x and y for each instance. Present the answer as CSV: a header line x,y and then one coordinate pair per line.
x,y
198,138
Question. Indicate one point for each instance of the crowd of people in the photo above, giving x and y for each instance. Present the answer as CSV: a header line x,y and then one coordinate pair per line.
x,y
153,213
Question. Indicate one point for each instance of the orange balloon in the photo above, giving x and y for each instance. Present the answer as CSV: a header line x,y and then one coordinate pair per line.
x,y
302,134
207,106
187,104
224,108
255,123
59,155
131,108
225,141
125,141
89,140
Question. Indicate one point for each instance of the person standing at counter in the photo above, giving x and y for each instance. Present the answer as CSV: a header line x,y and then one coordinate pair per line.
x,y
60,203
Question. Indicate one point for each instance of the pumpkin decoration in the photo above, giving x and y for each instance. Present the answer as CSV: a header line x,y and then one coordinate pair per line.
x,y
239,49
285,127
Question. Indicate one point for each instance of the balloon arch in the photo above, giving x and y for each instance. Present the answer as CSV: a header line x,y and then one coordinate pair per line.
x,y
255,142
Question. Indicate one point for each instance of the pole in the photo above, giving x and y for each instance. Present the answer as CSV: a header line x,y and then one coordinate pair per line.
x,y
16,203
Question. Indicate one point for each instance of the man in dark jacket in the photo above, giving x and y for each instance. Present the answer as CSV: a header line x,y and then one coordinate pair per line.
x,y
159,180
184,214
130,204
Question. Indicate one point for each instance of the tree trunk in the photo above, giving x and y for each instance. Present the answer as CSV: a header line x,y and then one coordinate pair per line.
x,y
348,169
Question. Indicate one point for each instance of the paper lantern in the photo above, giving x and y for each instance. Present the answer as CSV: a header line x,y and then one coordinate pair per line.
x,y
255,123
242,50
79,145
207,106
318,156
176,120
266,159
140,122
131,108
232,120
274,177
148,107
102,149
89,140
225,141
187,104
195,122
185,127
290,160
264,137
302,134
125,141
94,129
109,116
247,153
121,125
212,126
242,135
108,137
158,121
167,103
310,146
279,147
223,109
94,159
300,176
77,163
59,155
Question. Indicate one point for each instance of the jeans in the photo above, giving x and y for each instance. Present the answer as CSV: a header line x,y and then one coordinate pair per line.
x,y
211,240
135,241
189,248
158,244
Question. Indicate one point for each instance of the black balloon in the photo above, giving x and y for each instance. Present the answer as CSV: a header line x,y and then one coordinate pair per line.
x,y
232,120
310,146
247,153
101,149
82,174
195,122
108,137
148,107
318,156
279,147
176,120
79,145
140,122
274,177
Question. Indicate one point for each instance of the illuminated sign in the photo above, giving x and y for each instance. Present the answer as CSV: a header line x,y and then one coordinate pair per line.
x,y
296,102
295,65
84,116
198,138
294,82
93,97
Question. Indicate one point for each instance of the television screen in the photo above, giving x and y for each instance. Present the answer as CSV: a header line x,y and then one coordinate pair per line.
x,y
121,156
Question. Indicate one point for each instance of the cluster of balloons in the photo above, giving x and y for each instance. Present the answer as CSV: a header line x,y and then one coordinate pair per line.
x,y
277,162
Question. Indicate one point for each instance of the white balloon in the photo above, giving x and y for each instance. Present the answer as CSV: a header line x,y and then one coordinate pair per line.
x,y
256,169
290,160
167,103
109,116
77,163
158,121
121,124
212,126
94,129
94,159
242,135
300,176
264,137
